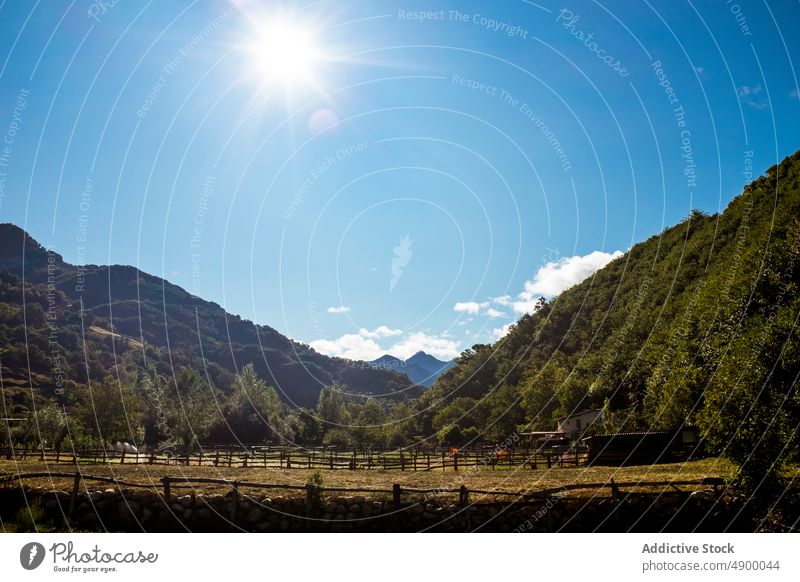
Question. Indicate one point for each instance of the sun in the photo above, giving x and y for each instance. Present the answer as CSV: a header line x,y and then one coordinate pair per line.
x,y
284,53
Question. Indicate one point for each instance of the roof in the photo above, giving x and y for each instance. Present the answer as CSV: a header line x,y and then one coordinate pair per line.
x,y
581,413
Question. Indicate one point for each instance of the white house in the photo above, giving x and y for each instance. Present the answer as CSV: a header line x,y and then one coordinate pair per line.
x,y
575,424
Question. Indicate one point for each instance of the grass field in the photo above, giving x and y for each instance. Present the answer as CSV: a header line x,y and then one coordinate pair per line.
x,y
475,478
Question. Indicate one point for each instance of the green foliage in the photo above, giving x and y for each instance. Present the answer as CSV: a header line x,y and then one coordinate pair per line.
x,y
254,411
194,409
316,495
30,519
110,410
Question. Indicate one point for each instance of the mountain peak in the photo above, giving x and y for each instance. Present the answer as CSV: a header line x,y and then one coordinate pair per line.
x,y
14,243
423,369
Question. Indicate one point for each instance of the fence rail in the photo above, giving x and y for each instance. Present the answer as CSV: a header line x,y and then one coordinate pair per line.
x,y
315,458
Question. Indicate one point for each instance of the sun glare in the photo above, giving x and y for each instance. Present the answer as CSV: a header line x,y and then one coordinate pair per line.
x,y
284,53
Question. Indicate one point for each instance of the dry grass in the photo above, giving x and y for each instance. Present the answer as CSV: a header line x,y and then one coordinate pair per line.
x,y
475,478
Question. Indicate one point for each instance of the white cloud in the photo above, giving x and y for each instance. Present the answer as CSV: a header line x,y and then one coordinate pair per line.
x,y
557,276
752,96
437,346
351,346
358,347
502,300
379,332
746,91
340,309
499,332
471,307
492,312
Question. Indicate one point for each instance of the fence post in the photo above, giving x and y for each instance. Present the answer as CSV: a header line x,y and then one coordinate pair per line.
x,y
122,458
615,490
165,481
74,497
235,502
549,461
396,495
331,459
244,463
444,464
311,505
463,496
402,462
455,461
288,460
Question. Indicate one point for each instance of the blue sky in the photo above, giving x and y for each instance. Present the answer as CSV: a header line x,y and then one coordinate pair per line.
x,y
383,177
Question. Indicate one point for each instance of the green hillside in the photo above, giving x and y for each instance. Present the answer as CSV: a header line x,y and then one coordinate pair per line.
x,y
696,325
82,323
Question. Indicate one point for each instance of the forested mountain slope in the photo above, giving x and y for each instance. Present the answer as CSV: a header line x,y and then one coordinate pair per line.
x,y
695,325
82,321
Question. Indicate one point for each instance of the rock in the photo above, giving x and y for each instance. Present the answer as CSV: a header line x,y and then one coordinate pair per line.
x,y
429,516
254,516
359,499
203,514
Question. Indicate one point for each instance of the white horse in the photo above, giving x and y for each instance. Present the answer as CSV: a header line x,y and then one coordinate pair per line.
x,y
125,447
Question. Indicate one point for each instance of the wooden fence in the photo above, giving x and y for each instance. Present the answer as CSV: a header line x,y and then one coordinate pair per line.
x,y
397,491
315,458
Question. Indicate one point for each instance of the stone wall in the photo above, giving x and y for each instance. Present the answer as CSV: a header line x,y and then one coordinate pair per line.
x,y
147,510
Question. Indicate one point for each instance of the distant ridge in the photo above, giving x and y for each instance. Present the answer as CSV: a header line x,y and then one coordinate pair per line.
x,y
421,368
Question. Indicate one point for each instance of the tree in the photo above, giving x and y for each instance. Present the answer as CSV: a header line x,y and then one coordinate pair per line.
x,y
254,411
110,410
193,409
369,428
46,428
309,426
332,408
